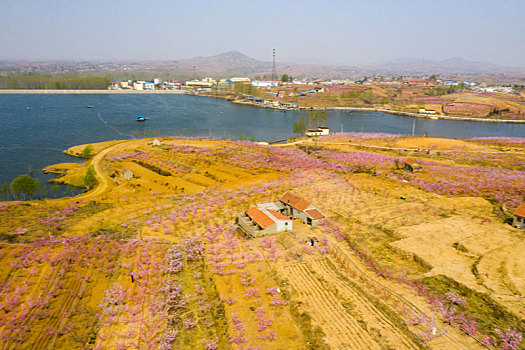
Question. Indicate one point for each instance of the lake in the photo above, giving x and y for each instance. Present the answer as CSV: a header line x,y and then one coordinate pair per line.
x,y
37,127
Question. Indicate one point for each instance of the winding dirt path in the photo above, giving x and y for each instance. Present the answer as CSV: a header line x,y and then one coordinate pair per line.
x,y
103,180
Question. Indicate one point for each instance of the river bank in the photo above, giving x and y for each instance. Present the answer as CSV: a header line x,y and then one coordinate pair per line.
x,y
382,110
82,92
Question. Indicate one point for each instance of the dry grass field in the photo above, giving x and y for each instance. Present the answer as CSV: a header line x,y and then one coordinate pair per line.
x,y
404,260
442,100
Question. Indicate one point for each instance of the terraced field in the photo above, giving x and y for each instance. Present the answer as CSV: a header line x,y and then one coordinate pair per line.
x,y
156,261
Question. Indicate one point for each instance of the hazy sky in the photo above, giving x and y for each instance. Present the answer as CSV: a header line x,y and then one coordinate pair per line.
x,y
345,32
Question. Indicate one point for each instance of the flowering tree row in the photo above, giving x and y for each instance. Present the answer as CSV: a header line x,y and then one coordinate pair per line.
x,y
451,306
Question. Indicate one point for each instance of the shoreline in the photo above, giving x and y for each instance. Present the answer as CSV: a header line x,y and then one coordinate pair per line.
x,y
80,92
301,108
425,116
377,109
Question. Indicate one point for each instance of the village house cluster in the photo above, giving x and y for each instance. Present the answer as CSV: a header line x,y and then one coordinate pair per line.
x,y
307,85
274,217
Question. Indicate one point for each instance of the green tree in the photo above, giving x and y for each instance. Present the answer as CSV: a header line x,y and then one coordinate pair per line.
x,y
432,77
87,152
24,187
295,128
42,192
301,125
285,78
4,191
90,180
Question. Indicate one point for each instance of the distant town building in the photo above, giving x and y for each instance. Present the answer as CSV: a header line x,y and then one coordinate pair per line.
x,y
158,141
426,111
210,80
138,85
157,81
124,85
199,83
149,85
240,80
264,83
519,217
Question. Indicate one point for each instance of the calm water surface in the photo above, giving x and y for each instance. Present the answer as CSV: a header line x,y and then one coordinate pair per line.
x,y
36,128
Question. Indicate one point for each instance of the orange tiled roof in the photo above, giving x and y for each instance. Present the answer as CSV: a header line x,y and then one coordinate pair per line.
x,y
410,161
295,201
260,217
277,215
520,211
314,214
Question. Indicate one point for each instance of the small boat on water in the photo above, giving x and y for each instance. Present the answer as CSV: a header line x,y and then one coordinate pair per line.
x,y
141,118
89,106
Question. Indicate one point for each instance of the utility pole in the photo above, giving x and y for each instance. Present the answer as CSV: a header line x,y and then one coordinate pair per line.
x,y
274,70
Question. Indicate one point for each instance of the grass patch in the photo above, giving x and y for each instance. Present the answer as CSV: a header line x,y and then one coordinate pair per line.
x,y
489,314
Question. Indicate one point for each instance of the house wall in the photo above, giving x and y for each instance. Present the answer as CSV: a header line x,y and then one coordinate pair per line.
x,y
518,222
283,225
316,223
253,229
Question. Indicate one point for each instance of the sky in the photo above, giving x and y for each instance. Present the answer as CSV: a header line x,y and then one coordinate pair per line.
x,y
321,31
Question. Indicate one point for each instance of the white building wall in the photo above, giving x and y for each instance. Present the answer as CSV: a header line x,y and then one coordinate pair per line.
x,y
284,225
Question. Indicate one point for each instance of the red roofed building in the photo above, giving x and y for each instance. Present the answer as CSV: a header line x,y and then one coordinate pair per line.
x,y
258,222
314,217
294,201
300,208
412,165
259,218
519,217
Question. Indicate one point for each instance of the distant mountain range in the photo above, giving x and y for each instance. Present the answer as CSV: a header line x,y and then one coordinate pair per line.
x,y
454,65
235,63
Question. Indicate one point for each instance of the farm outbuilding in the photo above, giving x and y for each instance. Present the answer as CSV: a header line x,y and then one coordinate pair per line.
x,y
519,217
320,131
158,141
297,207
261,222
277,206
126,174
412,165
314,217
